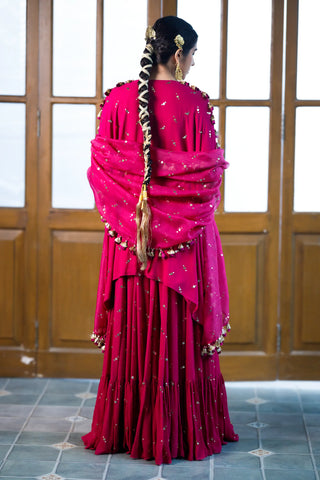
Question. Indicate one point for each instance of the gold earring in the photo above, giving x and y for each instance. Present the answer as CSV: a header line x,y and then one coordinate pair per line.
x,y
178,73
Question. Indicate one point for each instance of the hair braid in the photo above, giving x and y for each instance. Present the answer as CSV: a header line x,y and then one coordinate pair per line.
x,y
143,212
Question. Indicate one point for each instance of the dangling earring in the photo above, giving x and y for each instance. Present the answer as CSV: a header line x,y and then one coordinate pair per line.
x,y
178,73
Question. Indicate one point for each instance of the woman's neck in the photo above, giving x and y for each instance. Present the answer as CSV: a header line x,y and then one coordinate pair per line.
x,y
161,72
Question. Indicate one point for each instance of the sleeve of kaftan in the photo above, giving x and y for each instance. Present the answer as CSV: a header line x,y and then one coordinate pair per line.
x,y
206,137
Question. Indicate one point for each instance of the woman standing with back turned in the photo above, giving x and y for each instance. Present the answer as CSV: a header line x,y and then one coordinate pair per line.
x,y
162,306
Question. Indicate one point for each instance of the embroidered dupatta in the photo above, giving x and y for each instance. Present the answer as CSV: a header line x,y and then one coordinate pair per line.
x,y
185,250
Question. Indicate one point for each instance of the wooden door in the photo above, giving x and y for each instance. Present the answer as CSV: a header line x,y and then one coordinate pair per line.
x,y
300,248
18,178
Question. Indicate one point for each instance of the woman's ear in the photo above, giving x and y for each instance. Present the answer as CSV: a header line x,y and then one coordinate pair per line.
x,y
178,55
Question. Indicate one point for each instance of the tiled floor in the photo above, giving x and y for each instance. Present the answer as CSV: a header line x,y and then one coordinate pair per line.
x,y
41,422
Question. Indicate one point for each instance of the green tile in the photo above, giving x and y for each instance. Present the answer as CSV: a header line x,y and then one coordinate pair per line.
x,y
282,419
46,424
55,411
63,399
11,424
280,407
241,406
19,468
233,474
26,385
80,454
19,399
289,475
288,431
246,432
75,439
317,460
288,462
40,438
125,459
78,470
15,410
311,407
6,438
67,386
3,451
33,453
244,446
236,460
312,419
134,472
195,470
290,445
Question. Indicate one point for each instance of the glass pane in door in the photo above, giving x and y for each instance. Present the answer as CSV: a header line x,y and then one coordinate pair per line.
x,y
247,151
12,154
13,47
249,49
308,72
124,26
307,160
206,21
73,126
74,48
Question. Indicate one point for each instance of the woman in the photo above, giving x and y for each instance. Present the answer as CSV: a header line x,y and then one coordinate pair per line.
x,y
162,307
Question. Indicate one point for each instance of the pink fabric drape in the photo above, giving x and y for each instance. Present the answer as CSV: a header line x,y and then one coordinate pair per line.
x,y
159,395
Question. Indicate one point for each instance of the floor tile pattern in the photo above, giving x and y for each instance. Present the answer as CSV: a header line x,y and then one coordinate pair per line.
x,y
42,420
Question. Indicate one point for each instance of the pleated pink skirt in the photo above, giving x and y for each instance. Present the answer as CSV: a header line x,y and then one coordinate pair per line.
x,y
158,397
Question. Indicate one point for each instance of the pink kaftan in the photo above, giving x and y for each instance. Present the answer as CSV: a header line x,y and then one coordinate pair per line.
x,y
161,394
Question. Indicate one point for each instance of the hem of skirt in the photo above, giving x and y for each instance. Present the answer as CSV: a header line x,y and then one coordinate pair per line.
x,y
188,438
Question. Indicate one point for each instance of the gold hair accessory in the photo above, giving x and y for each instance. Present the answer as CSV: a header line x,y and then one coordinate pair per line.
x,y
179,41
178,73
150,34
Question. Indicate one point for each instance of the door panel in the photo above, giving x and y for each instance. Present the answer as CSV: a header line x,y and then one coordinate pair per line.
x,y
75,260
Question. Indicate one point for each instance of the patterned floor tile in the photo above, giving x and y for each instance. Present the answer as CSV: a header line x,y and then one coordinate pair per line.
x,y
256,400
86,395
261,452
243,417
4,393
76,419
63,445
50,476
258,425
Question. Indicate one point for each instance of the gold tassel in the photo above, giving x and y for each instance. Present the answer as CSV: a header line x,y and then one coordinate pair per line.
x,y
143,214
